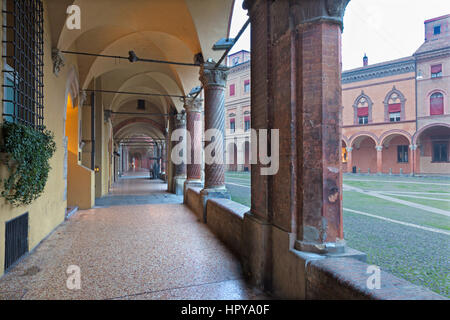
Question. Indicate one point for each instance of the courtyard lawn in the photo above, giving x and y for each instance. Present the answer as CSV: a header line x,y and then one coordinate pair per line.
x,y
410,239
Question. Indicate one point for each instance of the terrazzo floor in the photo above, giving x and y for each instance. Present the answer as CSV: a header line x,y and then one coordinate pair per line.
x,y
149,251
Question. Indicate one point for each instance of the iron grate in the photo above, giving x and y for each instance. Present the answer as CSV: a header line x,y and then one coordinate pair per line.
x,y
23,54
16,239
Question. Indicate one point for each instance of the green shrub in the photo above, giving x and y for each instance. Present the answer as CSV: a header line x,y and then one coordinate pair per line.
x,y
29,151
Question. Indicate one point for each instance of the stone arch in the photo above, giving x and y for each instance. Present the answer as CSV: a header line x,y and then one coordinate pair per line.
x,y
394,132
354,138
394,95
364,152
420,131
135,120
362,99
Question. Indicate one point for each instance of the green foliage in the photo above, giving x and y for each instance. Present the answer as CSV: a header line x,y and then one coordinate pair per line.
x,y
30,151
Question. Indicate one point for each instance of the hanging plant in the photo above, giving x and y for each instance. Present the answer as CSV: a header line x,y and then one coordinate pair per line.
x,y
28,152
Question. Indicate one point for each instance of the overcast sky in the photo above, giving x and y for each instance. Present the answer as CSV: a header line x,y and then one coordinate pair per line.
x,y
383,29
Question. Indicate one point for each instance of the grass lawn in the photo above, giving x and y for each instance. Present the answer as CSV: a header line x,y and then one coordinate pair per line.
x,y
419,256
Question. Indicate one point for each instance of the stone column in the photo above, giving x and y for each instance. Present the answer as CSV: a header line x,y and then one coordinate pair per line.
x,y
412,160
180,169
194,109
214,82
379,159
295,89
349,159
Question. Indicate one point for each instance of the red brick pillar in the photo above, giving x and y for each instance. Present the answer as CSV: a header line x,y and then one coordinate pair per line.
x,y
214,81
379,159
194,109
349,159
296,89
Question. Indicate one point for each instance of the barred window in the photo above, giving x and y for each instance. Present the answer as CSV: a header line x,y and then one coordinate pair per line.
x,y
23,62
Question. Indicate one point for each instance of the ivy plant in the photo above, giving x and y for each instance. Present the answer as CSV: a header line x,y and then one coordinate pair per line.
x,y
29,152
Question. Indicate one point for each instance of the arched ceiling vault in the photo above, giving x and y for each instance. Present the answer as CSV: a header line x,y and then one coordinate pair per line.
x,y
174,30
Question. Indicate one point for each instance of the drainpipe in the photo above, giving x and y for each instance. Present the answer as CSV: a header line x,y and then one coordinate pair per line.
x,y
93,131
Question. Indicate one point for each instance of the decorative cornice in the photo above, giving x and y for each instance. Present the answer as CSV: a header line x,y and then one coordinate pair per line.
x,y
212,76
240,67
58,61
378,71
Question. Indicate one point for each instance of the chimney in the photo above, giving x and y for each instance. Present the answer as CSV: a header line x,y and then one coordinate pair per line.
x,y
365,61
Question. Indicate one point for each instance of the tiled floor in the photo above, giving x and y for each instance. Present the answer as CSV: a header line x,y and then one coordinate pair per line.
x,y
151,251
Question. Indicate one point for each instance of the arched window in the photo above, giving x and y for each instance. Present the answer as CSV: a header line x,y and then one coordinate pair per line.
x,y
436,104
394,106
362,109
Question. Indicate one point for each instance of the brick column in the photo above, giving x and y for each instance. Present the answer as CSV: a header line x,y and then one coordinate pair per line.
x,y
194,109
379,159
180,169
214,82
349,159
296,89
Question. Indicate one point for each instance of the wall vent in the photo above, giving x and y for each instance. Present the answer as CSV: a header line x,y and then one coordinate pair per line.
x,y
16,239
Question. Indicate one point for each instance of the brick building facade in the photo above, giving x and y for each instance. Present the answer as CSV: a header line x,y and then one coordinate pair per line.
x,y
395,117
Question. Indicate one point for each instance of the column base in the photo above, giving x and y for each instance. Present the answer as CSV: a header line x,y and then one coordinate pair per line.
x,y
178,185
209,193
330,249
257,251
191,183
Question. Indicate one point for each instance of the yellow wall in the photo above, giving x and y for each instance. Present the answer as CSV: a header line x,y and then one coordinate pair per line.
x,y
48,211
78,176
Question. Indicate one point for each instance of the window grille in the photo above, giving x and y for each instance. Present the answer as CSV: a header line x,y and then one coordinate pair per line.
x,y
23,62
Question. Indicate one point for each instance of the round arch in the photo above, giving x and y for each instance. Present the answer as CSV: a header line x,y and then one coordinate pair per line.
x,y
421,130
394,132
363,134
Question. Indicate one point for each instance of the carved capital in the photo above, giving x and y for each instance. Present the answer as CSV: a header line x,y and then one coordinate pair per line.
x,y
379,148
107,115
413,146
349,149
193,105
83,97
314,10
212,76
58,61
180,120
322,10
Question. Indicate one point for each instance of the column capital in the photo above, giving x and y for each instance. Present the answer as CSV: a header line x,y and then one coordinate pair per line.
x,y
349,149
316,10
212,76
180,119
379,148
193,105
413,146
